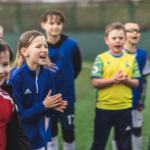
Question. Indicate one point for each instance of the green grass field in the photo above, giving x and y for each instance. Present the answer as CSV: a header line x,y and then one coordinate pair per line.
x,y
85,107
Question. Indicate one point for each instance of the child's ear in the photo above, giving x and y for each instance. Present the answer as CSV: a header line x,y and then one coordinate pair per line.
x,y
24,52
106,40
43,25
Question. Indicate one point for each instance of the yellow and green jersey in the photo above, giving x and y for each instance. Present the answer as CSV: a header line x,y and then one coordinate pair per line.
x,y
106,66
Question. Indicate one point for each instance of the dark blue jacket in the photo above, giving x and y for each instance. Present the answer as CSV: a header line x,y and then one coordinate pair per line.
x,y
66,55
141,58
30,89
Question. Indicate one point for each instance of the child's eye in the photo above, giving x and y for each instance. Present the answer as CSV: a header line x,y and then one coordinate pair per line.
x,y
51,23
121,38
46,46
113,38
6,64
38,46
58,23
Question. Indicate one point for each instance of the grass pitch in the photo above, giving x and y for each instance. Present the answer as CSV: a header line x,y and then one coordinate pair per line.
x,y
85,107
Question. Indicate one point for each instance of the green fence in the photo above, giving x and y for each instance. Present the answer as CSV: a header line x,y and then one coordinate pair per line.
x,y
79,17
90,44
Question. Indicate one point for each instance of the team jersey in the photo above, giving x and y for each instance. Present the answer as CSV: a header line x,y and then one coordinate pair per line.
x,y
6,114
106,66
62,55
141,57
30,89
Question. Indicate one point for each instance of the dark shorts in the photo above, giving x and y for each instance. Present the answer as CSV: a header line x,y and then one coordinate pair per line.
x,y
104,120
66,119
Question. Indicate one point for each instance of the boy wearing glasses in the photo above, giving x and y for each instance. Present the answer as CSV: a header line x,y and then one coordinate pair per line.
x,y
139,93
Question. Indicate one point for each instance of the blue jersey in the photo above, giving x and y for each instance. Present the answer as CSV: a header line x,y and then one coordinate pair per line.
x,y
30,89
64,77
141,57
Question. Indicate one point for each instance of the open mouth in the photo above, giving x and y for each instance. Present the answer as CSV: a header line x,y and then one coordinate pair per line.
x,y
43,56
134,38
117,46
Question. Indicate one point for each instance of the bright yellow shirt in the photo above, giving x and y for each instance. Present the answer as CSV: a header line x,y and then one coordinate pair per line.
x,y
106,66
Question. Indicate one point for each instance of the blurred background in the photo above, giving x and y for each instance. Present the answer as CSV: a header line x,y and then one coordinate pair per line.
x,y
85,22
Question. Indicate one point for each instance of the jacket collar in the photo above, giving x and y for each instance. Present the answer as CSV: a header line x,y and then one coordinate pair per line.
x,y
33,72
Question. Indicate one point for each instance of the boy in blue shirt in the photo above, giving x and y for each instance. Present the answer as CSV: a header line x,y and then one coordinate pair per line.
x,y
64,52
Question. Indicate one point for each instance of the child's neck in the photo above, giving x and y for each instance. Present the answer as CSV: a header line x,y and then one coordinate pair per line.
x,y
53,39
33,66
116,54
130,47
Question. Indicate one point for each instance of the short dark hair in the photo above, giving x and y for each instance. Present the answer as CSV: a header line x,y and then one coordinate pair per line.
x,y
114,26
4,47
52,13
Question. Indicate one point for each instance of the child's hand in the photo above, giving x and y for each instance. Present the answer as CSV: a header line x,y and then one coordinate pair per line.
x,y
122,80
118,76
52,101
62,106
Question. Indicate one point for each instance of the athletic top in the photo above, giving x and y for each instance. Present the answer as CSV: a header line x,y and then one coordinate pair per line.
x,y
141,57
6,115
106,65
13,70
30,89
66,55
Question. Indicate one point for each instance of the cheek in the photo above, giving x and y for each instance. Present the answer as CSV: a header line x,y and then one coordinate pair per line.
x,y
129,36
7,70
111,44
60,27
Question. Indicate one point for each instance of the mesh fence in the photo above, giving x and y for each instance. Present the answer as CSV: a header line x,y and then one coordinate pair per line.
x,y
79,17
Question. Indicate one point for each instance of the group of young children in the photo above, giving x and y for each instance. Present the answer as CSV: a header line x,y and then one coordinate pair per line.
x,y
43,91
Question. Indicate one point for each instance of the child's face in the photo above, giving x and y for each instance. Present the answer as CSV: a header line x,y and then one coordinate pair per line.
x,y
132,33
4,66
1,33
115,41
37,53
53,26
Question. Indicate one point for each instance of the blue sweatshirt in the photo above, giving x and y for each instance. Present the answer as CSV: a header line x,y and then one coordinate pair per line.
x,y
30,89
62,54
141,57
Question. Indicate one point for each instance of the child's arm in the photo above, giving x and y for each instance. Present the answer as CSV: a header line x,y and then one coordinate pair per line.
x,y
105,83
77,62
102,83
134,81
141,103
32,113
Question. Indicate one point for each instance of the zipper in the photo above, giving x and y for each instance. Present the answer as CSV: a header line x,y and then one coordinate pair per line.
x,y
36,81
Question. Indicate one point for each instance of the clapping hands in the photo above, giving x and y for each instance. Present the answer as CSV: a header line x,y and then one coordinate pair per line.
x,y
120,78
55,102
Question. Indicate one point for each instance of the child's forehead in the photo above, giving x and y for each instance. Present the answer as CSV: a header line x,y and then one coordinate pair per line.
x,y
55,18
4,55
116,32
131,26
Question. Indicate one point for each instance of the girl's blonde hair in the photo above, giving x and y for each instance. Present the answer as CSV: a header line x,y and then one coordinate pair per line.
x,y
25,41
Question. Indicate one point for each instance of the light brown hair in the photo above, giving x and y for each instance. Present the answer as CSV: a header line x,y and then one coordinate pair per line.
x,y
114,26
25,41
51,13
